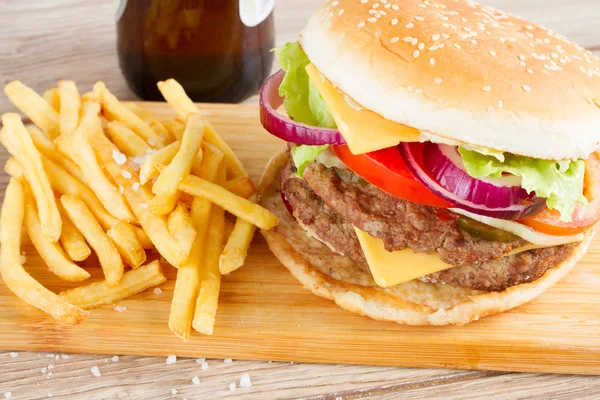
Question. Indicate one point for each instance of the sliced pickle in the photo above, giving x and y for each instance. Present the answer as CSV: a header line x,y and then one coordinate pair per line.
x,y
484,231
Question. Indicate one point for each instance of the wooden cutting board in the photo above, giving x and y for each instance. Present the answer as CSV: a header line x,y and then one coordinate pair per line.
x,y
265,314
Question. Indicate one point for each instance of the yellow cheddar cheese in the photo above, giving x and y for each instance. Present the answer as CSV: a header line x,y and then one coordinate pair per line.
x,y
356,124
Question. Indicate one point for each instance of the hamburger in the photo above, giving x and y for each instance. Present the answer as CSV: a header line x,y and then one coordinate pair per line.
x,y
441,159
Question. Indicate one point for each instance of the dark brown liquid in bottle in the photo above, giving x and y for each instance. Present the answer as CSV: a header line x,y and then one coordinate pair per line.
x,y
203,44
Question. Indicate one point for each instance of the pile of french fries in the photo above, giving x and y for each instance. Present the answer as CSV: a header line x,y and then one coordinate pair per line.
x,y
96,175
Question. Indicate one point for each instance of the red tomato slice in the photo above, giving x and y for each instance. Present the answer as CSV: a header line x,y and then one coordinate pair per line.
x,y
386,170
584,217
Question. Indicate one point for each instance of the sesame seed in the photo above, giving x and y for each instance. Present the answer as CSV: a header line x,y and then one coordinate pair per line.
x,y
394,21
420,19
457,46
522,57
395,39
416,53
372,19
500,104
435,37
493,53
473,41
409,25
432,61
395,7
438,80
529,70
433,48
414,41
421,46
526,88
487,88
360,24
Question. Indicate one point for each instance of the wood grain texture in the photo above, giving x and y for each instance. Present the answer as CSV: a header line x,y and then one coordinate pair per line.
x,y
43,41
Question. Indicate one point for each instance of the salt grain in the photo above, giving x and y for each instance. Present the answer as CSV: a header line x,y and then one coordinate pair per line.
x,y
228,361
171,360
64,356
135,186
7,395
232,386
119,157
245,381
486,88
115,359
126,174
196,380
120,308
157,291
152,141
173,392
13,355
96,371
44,370
204,366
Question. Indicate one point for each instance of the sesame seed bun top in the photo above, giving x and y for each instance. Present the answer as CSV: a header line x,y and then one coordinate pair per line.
x,y
463,72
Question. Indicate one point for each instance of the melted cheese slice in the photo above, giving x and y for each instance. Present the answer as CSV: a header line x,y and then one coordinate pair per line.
x,y
391,268
356,124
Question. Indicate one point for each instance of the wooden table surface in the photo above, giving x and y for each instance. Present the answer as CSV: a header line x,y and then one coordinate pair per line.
x,y
44,41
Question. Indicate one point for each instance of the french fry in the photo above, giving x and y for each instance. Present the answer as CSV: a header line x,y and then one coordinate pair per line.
x,y
236,205
126,140
174,94
13,168
78,149
13,273
236,249
175,128
100,293
116,110
181,227
210,276
143,238
46,147
70,107
124,238
84,220
197,163
71,239
155,226
188,275
243,187
19,144
150,119
166,186
161,157
88,96
51,96
51,252
227,230
34,106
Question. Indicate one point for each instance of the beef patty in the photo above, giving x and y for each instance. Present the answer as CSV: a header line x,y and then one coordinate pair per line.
x,y
328,207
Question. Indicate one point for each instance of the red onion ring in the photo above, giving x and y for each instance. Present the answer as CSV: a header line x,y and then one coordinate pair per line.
x,y
466,192
285,128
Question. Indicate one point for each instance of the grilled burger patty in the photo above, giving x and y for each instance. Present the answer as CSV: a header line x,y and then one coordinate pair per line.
x,y
328,206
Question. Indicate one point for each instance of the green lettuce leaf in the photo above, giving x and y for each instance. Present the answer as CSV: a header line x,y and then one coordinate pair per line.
x,y
560,182
304,155
301,99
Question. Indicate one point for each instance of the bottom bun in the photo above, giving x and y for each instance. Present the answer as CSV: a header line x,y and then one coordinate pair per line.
x,y
336,277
